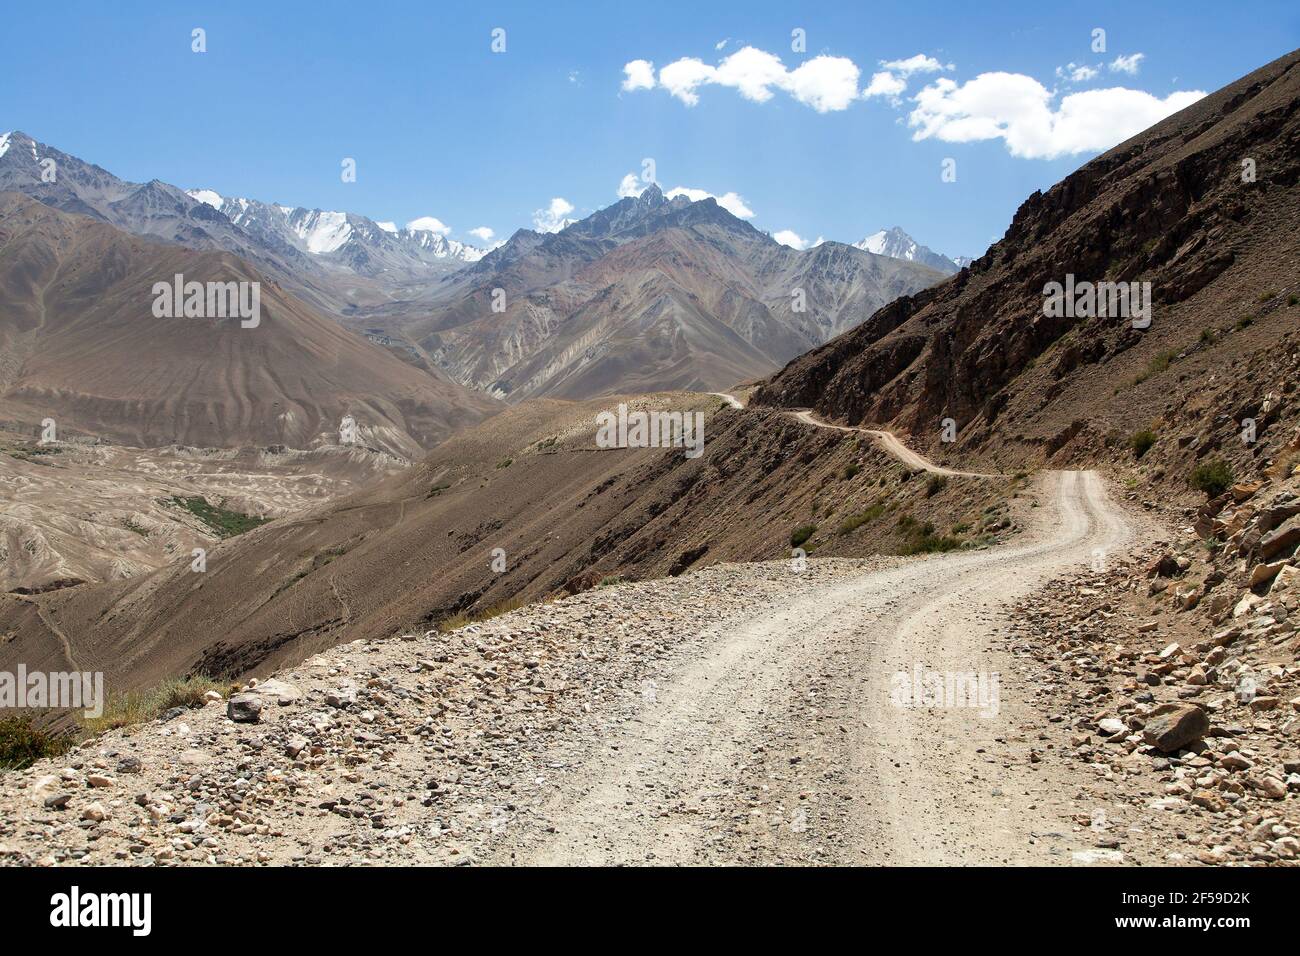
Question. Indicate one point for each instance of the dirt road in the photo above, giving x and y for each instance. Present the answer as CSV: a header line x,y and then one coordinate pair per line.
x,y
781,737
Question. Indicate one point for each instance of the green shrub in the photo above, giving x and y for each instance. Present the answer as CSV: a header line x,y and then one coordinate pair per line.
x,y
1212,477
851,470
1141,442
853,522
22,743
802,534
935,485
226,523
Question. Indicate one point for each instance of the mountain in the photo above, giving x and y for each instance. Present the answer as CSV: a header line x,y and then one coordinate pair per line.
x,y
344,239
336,261
82,344
899,245
648,293
1172,207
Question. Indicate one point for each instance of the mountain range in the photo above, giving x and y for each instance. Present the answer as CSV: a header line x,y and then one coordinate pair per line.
x,y
897,244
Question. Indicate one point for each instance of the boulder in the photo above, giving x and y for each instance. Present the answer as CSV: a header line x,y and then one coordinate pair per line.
x,y
244,708
1171,727
1282,540
1165,566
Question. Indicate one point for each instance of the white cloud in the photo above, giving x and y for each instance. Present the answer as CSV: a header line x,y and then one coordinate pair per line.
x,y
788,237
554,217
826,83
482,233
721,43
915,64
428,224
1077,72
892,80
885,84
387,226
732,202
1019,110
639,75
631,185
1127,64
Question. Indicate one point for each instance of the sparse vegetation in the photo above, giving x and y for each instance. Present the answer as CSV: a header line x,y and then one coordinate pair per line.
x,y
935,484
462,618
802,534
137,707
505,463
609,580
224,522
1207,335
1141,442
1293,300
854,522
22,743
1243,322
851,471
919,538
1213,477
1266,297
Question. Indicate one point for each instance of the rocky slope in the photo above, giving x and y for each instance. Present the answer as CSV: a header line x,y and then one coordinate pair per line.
x,y
1168,207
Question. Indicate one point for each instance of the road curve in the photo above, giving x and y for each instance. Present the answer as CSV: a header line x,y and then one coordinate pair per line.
x,y
779,738
890,443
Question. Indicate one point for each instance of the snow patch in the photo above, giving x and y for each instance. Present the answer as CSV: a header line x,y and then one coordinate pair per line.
x,y
4,143
324,232
206,196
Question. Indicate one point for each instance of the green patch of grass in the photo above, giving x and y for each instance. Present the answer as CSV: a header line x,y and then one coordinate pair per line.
x,y
1266,297
1141,442
609,581
854,522
1213,477
1207,336
22,743
851,471
223,521
505,463
802,534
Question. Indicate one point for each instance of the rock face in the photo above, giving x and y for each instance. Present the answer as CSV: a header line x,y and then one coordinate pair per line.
x,y
1023,385
1173,726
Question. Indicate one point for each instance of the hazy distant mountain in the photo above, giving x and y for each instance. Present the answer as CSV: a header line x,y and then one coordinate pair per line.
x,y
646,294
899,245
336,260
345,239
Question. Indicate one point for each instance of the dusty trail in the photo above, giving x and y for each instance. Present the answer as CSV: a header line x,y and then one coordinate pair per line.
x,y
888,441
783,720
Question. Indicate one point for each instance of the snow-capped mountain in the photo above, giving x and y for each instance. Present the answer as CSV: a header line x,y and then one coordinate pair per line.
x,y
363,245
899,245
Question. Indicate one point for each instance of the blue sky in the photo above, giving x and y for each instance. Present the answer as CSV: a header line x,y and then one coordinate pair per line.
x,y
441,126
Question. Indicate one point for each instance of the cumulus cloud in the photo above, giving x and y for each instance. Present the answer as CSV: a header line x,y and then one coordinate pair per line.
x,y
1127,64
1077,72
892,79
732,202
1019,110
825,83
482,233
788,237
638,75
429,224
554,217
631,186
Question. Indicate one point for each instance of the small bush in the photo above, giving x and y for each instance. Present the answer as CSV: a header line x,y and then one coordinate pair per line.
x,y
851,471
22,743
1213,477
1243,323
1141,442
137,707
1293,300
1267,296
1207,335
505,463
935,485
802,534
